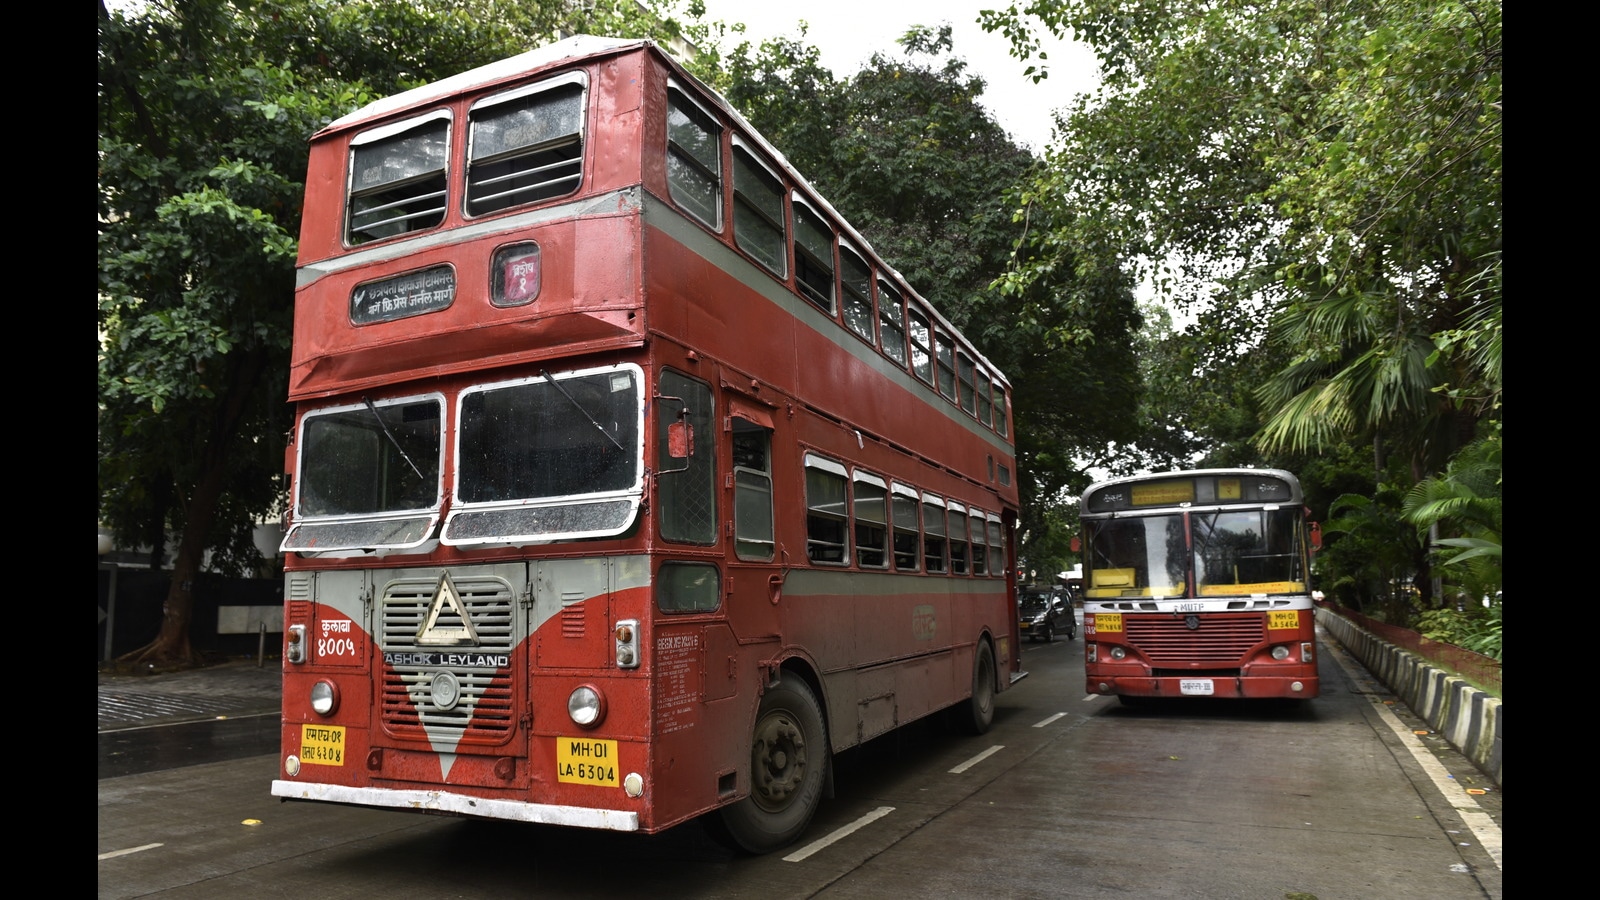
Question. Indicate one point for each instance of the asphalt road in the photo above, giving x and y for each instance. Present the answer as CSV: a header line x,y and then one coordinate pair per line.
x,y
1067,796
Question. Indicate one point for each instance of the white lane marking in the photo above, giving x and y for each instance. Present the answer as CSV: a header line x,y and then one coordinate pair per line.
x,y
130,850
1089,697
1482,824
205,718
1048,721
846,831
977,759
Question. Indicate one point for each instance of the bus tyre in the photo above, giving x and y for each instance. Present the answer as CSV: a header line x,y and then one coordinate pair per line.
x,y
788,765
978,712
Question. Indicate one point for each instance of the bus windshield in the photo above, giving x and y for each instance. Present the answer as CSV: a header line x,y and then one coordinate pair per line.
x,y
1233,552
1139,557
549,458
368,476
1253,547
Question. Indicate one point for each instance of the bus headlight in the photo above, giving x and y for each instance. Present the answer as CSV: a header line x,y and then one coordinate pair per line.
x,y
324,698
585,706
1280,653
1118,653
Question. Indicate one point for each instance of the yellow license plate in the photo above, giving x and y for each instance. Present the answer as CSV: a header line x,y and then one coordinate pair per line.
x,y
322,745
1107,623
586,761
1286,618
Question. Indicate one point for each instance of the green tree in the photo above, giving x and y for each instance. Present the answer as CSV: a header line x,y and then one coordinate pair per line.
x,y
205,108
1334,170
1459,512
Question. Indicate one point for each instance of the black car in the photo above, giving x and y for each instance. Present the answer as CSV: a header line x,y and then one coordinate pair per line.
x,y
1045,613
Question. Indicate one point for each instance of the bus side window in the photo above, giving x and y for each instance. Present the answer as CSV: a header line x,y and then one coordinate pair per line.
x,y
959,540
758,218
891,322
871,521
997,549
980,548
752,490
827,535
907,530
934,542
921,346
686,487
694,158
856,279
813,257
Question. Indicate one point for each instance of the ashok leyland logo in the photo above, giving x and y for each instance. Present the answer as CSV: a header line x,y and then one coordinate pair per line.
x,y
446,597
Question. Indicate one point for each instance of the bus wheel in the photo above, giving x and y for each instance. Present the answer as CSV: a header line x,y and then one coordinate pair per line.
x,y
979,711
788,763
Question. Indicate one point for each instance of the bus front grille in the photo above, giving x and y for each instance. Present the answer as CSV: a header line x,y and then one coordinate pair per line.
x,y
483,710
1220,641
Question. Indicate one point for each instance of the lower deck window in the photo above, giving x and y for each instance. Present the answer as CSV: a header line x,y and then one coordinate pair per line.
x,y
826,520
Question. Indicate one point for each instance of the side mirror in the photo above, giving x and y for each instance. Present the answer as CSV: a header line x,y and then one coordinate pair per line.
x,y
676,435
680,440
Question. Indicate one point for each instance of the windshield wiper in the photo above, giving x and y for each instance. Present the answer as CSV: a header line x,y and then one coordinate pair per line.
x,y
390,435
579,407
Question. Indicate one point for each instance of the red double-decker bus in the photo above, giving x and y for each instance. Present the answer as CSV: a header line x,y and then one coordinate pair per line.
x,y
1198,584
629,485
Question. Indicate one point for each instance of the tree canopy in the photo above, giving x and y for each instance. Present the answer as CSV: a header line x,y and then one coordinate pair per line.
x,y
1317,187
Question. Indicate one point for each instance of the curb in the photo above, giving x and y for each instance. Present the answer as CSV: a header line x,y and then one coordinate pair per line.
x,y
1467,717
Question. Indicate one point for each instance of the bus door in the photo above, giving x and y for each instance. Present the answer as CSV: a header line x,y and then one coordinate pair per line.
x,y
756,570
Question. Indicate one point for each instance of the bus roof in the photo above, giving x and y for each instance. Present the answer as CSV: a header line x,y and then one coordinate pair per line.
x,y
584,46
575,47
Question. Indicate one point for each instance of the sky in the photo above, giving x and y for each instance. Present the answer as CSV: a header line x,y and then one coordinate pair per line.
x,y
848,32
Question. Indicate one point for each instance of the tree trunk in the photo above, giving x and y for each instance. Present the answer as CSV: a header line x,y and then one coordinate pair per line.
x,y
172,646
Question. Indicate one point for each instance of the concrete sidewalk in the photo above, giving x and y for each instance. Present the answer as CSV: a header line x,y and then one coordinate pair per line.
x,y
231,689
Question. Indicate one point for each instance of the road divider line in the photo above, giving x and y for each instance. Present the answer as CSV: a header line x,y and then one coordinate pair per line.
x,y
130,850
1048,721
839,834
977,759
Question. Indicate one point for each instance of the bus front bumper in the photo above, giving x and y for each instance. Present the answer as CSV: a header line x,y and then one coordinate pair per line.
x,y
1228,687
449,803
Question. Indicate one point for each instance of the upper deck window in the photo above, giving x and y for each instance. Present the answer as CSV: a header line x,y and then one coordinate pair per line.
x,y
694,158
758,221
985,405
856,280
921,346
525,145
966,371
891,322
397,178
947,365
813,257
